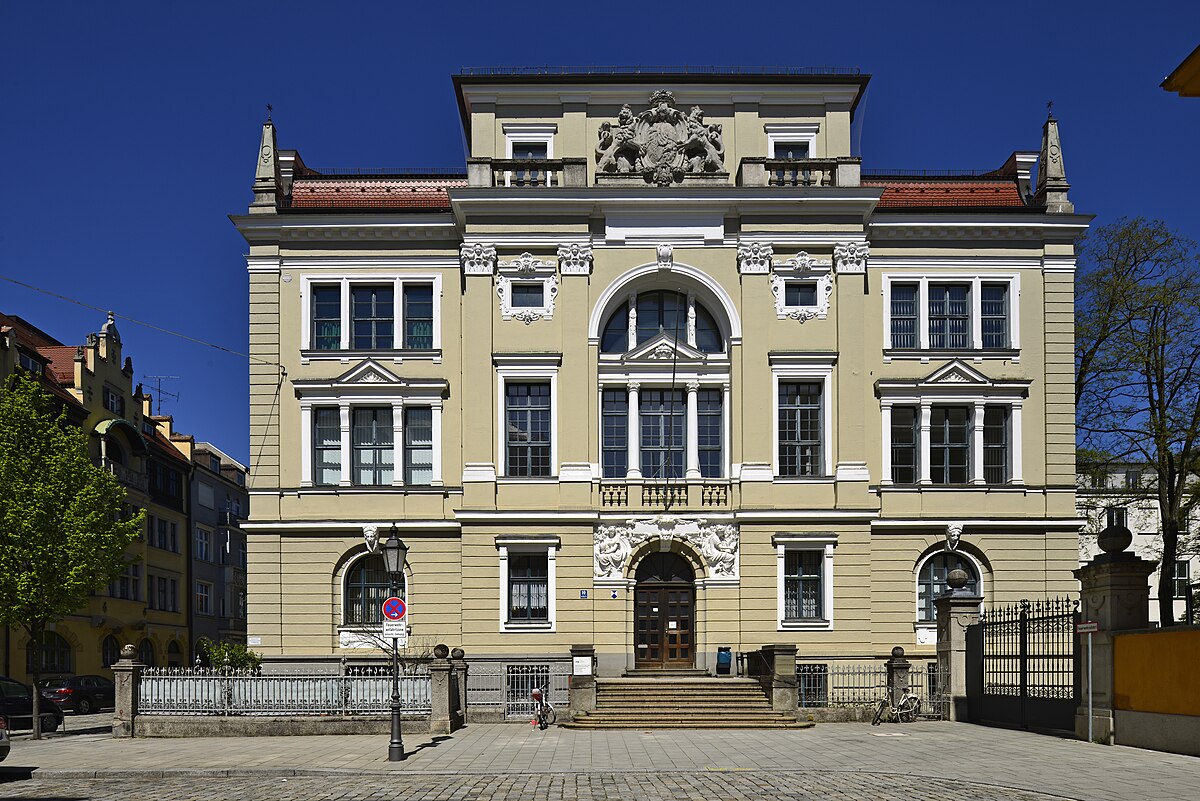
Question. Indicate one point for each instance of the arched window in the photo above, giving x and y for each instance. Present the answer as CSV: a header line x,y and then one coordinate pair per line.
x,y
54,652
661,312
367,586
174,655
110,651
146,653
931,581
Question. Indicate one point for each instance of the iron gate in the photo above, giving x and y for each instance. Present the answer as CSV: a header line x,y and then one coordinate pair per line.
x,y
1023,669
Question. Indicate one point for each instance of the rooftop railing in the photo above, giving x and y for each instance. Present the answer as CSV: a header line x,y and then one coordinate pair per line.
x,y
526,172
760,171
686,69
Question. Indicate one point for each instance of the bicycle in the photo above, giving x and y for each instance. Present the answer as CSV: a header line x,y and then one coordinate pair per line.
x,y
543,713
906,711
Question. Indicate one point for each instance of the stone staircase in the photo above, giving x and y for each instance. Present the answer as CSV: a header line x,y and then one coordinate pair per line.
x,y
673,702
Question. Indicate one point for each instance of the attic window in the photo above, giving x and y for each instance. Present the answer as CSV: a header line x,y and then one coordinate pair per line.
x,y
29,363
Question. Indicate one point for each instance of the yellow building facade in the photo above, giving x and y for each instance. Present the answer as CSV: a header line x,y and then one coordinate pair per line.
x,y
665,370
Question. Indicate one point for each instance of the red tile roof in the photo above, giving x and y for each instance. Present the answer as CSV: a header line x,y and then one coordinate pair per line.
x,y
905,194
60,361
421,194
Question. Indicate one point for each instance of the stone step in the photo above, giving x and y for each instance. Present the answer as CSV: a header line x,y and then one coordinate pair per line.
x,y
588,722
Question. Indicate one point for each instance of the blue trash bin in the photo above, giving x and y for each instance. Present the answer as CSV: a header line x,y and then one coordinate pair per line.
x,y
724,661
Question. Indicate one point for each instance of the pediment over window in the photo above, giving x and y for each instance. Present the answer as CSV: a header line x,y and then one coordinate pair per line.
x,y
369,377
956,372
956,378
665,347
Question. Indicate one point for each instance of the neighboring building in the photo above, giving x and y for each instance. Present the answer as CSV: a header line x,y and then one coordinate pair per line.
x,y
219,502
1185,79
657,378
1125,495
147,606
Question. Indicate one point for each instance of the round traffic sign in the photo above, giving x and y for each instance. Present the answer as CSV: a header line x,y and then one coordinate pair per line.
x,y
394,609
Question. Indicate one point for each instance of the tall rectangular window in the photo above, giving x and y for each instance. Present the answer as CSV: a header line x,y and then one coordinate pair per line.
x,y
994,315
326,317
904,444
614,415
663,418
709,434
949,316
527,429
203,545
528,587
950,445
802,592
327,446
204,598
372,445
373,315
800,429
995,444
418,445
128,585
418,316
904,316
1180,578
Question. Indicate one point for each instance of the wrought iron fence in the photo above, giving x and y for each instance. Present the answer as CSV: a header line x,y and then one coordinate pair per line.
x,y
862,684
1029,649
505,687
359,691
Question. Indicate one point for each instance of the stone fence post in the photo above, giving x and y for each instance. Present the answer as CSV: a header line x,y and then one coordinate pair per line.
x,y
127,675
781,659
581,693
1115,594
458,662
897,675
957,609
439,691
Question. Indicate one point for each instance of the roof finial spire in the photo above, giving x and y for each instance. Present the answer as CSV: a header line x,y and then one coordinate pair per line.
x,y
268,112
1049,110
1052,183
266,172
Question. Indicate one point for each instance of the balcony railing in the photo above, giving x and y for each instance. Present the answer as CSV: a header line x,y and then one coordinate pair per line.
x,y
130,478
527,172
842,172
658,495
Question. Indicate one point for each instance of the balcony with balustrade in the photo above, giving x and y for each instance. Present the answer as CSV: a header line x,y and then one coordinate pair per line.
x,y
526,173
844,171
130,478
649,496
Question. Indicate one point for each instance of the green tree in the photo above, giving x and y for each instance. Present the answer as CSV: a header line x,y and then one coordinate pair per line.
x,y
63,522
1137,361
229,655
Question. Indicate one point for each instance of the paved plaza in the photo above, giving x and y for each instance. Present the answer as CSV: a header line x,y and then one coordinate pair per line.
x,y
506,762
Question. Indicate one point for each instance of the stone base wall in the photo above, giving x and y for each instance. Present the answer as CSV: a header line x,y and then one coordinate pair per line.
x,y
195,726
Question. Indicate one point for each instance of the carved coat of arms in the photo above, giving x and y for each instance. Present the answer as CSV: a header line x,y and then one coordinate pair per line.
x,y
662,143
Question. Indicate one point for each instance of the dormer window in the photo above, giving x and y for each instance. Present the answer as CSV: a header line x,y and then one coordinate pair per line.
x,y
114,402
29,363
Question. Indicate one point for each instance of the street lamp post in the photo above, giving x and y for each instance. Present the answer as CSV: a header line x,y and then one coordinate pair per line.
x,y
394,553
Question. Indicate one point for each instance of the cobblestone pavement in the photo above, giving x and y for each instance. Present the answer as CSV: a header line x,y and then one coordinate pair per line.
x,y
507,761
728,786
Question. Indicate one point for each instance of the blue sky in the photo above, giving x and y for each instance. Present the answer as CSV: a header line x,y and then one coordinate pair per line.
x,y
130,129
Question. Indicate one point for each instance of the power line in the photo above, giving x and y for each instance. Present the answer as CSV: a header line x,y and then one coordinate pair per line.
x,y
143,323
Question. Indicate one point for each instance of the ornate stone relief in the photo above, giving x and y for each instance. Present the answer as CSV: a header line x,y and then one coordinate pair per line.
x,y
851,257
662,143
754,258
953,535
666,256
371,537
718,544
802,267
575,259
527,269
478,259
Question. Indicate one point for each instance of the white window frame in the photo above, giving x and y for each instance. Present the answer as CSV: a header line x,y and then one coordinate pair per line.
x,y
786,369
976,280
208,544
521,373
977,403
346,283
547,545
824,542
527,270
536,132
352,636
927,629
207,596
783,132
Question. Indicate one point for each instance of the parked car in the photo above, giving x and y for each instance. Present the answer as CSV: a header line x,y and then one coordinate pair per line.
x,y
81,694
4,744
16,704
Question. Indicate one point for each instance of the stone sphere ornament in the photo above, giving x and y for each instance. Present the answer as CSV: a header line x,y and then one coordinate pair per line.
x,y
1114,539
441,651
128,652
897,652
457,653
957,578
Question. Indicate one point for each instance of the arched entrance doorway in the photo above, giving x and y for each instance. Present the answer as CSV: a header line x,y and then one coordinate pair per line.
x,y
663,611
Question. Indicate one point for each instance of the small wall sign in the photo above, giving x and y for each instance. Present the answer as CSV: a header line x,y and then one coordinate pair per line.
x,y
583,595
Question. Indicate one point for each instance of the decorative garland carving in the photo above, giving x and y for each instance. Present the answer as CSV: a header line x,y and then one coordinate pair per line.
x,y
718,544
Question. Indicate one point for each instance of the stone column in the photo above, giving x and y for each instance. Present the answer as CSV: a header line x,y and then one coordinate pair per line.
x,y
1114,594
692,435
956,610
634,435
439,691
127,674
781,659
897,675
581,692
459,663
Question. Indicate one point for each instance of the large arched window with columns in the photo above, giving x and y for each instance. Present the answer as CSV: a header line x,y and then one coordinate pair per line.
x,y
664,374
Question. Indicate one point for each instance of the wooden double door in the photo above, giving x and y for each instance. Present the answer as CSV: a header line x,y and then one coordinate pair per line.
x,y
664,612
